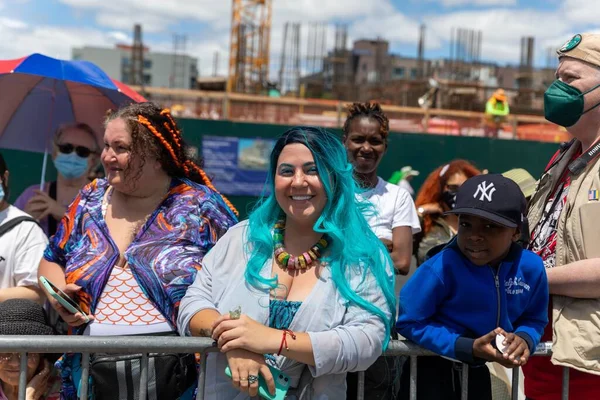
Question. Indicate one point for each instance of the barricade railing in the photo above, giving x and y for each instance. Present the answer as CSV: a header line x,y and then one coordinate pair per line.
x,y
87,345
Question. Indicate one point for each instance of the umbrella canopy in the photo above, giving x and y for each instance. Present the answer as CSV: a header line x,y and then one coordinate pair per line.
x,y
38,94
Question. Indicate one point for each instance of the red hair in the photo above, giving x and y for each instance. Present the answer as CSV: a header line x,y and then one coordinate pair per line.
x,y
431,190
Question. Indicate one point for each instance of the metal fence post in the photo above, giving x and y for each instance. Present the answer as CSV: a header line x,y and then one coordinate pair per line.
x,y
515,383
360,394
413,378
144,377
201,376
85,373
464,383
565,384
22,375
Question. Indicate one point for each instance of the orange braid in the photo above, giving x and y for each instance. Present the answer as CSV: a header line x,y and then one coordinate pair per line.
x,y
176,133
189,164
167,113
176,138
142,120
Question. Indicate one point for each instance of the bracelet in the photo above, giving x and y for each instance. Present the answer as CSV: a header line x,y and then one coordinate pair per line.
x,y
284,340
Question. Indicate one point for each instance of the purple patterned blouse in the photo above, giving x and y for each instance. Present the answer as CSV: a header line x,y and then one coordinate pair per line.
x,y
165,255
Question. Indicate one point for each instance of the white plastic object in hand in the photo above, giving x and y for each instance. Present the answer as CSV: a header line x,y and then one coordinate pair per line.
x,y
500,344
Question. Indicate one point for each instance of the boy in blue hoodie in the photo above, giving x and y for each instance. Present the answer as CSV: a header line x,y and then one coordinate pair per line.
x,y
481,285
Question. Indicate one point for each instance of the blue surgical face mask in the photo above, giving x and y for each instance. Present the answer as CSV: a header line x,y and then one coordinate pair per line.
x,y
71,165
2,194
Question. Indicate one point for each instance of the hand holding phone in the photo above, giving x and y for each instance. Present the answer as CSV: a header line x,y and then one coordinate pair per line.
x,y
63,299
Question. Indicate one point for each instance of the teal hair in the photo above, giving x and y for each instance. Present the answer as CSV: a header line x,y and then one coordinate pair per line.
x,y
342,219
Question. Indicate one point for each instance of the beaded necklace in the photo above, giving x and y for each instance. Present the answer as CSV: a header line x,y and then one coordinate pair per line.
x,y
303,261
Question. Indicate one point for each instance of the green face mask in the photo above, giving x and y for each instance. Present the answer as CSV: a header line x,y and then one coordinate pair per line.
x,y
563,103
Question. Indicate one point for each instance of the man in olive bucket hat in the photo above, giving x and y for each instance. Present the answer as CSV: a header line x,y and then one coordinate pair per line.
x,y
26,317
563,216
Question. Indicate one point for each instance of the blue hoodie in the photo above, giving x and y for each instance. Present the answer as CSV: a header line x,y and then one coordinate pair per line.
x,y
449,301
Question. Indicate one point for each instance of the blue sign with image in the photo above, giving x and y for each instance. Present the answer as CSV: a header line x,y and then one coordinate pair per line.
x,y
238,167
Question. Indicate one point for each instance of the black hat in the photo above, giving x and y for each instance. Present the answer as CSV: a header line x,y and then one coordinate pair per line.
x,y
492,197
23,317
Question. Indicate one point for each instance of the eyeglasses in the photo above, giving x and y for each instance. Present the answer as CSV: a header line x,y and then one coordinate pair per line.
x,y
6,357
67,148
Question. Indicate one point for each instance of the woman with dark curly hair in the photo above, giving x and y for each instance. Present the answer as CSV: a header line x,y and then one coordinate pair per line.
x,y
130,245
437,195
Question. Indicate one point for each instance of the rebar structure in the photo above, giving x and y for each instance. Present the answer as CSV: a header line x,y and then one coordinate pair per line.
x,y
249,46
137,57
289,67
178,67
316,47
465,53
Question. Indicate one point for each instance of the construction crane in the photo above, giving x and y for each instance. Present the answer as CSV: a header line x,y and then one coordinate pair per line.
x,y
249,49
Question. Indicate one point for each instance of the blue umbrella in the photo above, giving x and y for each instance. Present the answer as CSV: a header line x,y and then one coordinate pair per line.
x,y
38,94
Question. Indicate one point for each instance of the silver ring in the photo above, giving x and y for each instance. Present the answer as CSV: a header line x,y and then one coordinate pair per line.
x,y
252,379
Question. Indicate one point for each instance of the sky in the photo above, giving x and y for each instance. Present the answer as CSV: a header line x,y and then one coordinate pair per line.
x,y
54,27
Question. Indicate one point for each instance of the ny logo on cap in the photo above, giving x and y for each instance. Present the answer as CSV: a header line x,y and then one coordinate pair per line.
x,y
485,191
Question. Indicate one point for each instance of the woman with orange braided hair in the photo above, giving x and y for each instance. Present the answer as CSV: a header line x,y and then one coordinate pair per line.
x,y
131,244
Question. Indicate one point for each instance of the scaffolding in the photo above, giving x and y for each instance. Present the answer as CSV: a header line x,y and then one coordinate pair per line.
x,y
249,48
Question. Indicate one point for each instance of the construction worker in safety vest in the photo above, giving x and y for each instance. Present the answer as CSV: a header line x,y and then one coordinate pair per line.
x,y
496,113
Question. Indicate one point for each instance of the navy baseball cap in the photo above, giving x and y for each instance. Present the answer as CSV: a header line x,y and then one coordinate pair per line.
x,y
492,197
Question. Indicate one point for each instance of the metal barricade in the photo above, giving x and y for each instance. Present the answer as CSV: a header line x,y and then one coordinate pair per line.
x,y
168,344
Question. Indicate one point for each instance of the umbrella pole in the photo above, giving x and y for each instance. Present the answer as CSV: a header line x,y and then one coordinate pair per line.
x,y
44,163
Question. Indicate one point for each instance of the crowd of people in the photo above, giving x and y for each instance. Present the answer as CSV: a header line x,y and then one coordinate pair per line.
x,y
301,295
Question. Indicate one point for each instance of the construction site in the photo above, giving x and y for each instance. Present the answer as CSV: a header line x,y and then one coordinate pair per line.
x,y
316,79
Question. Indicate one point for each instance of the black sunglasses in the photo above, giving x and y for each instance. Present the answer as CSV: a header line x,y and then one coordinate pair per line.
x,y
68,148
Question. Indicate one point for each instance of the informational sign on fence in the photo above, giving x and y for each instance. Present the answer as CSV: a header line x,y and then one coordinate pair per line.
x,y
237,166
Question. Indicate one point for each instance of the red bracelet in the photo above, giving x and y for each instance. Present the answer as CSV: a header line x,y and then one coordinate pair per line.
x,y
284,340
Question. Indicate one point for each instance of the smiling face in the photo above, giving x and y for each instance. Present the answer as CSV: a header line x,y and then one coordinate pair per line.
x,y
298,187
9,367
482,241
123,170
365,145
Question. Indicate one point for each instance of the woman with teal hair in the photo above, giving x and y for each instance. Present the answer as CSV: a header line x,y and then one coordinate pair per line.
x,y
303,286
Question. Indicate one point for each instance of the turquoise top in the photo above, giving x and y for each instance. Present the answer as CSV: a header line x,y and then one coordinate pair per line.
x,y
281,313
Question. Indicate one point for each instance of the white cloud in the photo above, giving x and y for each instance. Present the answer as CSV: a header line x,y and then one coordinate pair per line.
x,y
19,40
394,27
9,23
581,12
501,29
480,3
155,15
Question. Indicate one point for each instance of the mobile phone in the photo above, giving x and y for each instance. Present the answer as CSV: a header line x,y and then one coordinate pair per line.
x,y
282,384
62,298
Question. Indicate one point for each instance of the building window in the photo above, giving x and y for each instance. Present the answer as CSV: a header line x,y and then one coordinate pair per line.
x,y
126,61
399,72
364,67
147,79
147,64
125,78
413,73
